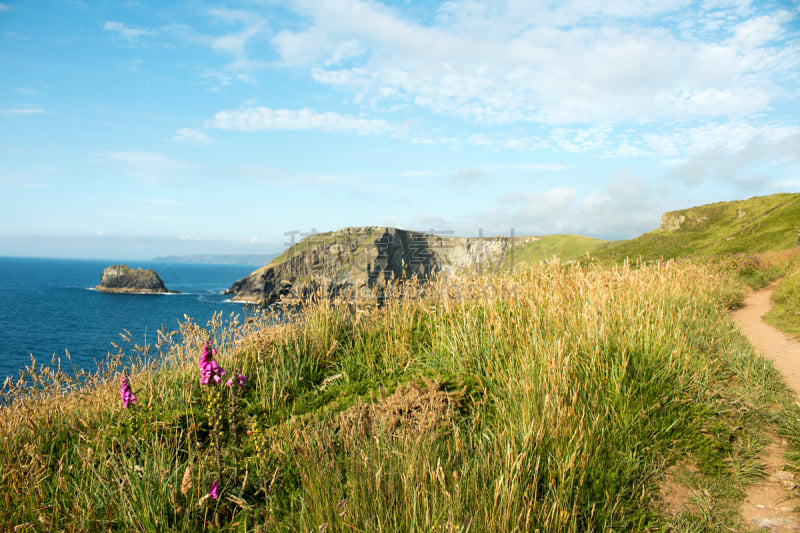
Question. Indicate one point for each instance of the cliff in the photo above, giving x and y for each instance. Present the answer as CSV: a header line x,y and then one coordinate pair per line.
x,y
122,278
361,259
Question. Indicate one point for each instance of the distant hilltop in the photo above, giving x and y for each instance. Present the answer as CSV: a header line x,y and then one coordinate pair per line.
x,y
124,279
217,259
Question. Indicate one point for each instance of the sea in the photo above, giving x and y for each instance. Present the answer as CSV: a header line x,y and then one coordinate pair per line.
x,y
50,306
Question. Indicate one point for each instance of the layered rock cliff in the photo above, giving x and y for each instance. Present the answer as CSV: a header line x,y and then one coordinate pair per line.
x,y
361,259
122,278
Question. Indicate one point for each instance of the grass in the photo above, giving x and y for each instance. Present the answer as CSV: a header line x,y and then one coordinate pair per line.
x,y
550,399
752,226
785,313
565,247
325,238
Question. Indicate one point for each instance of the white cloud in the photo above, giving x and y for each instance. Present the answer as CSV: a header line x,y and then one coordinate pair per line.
x,y
4,7
543,63
623,208
727,137
751,166
23,110
670,142
131,34
236,43
755,32
534,208
191,137
263,118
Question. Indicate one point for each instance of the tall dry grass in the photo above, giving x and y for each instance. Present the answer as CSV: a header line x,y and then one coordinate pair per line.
x,y
549,399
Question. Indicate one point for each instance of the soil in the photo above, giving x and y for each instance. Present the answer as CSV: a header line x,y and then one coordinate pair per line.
x,y
770,504
776,346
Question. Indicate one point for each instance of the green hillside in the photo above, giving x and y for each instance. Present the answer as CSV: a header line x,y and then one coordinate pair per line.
x,y
754,225
566,247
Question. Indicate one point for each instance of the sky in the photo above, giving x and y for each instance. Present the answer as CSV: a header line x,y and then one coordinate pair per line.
x,y
136,129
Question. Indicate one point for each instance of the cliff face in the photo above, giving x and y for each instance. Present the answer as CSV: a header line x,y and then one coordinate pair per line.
x,y
122,278
362,258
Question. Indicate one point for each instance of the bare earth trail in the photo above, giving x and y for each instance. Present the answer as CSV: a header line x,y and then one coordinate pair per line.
x,y
769,504
778,347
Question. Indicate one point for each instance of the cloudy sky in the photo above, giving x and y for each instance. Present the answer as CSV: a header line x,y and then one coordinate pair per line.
x,y
134,129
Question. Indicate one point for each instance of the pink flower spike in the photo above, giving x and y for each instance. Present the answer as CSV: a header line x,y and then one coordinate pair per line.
x,y
126,393
217,371
214,492
210,371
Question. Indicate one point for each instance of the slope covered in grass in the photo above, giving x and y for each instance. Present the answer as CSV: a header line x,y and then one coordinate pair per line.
x,y
565,247
551,399
754,225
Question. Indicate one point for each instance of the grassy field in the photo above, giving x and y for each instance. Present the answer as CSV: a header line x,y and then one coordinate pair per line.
x,y
553,399
756,225
565,247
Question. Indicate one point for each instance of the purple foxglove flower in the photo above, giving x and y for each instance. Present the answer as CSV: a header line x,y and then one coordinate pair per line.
x,y
214,492
209,368
126,393
217,371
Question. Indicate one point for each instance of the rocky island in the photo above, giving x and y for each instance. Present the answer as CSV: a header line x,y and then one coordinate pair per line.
x,y
359,259
122,278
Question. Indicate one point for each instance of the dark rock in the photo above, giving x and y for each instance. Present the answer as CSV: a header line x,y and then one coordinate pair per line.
x,y
122,278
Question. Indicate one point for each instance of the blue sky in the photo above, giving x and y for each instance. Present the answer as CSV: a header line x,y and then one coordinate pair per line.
x,y
135,129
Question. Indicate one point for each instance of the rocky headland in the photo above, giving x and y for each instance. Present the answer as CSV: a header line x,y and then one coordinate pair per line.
x,y
122,278
361,259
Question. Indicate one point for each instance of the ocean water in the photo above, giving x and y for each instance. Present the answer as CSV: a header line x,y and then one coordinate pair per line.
x,y
48,306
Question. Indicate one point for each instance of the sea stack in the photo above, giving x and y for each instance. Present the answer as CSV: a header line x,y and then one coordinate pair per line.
x,y
122,278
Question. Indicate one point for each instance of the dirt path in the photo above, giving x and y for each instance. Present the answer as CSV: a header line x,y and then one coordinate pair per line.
x,y
783,351
769,504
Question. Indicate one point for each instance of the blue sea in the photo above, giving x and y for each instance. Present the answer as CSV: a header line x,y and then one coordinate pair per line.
x,y
48,306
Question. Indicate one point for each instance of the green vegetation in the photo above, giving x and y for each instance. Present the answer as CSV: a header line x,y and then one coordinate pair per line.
x,y
565,247
750,226
555,398
323,239
551,398
785,314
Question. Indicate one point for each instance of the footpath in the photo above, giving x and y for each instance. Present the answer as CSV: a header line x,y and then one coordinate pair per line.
x,y
769,504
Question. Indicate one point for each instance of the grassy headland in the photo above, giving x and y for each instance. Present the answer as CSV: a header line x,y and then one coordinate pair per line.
x,y
553,399
755,225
